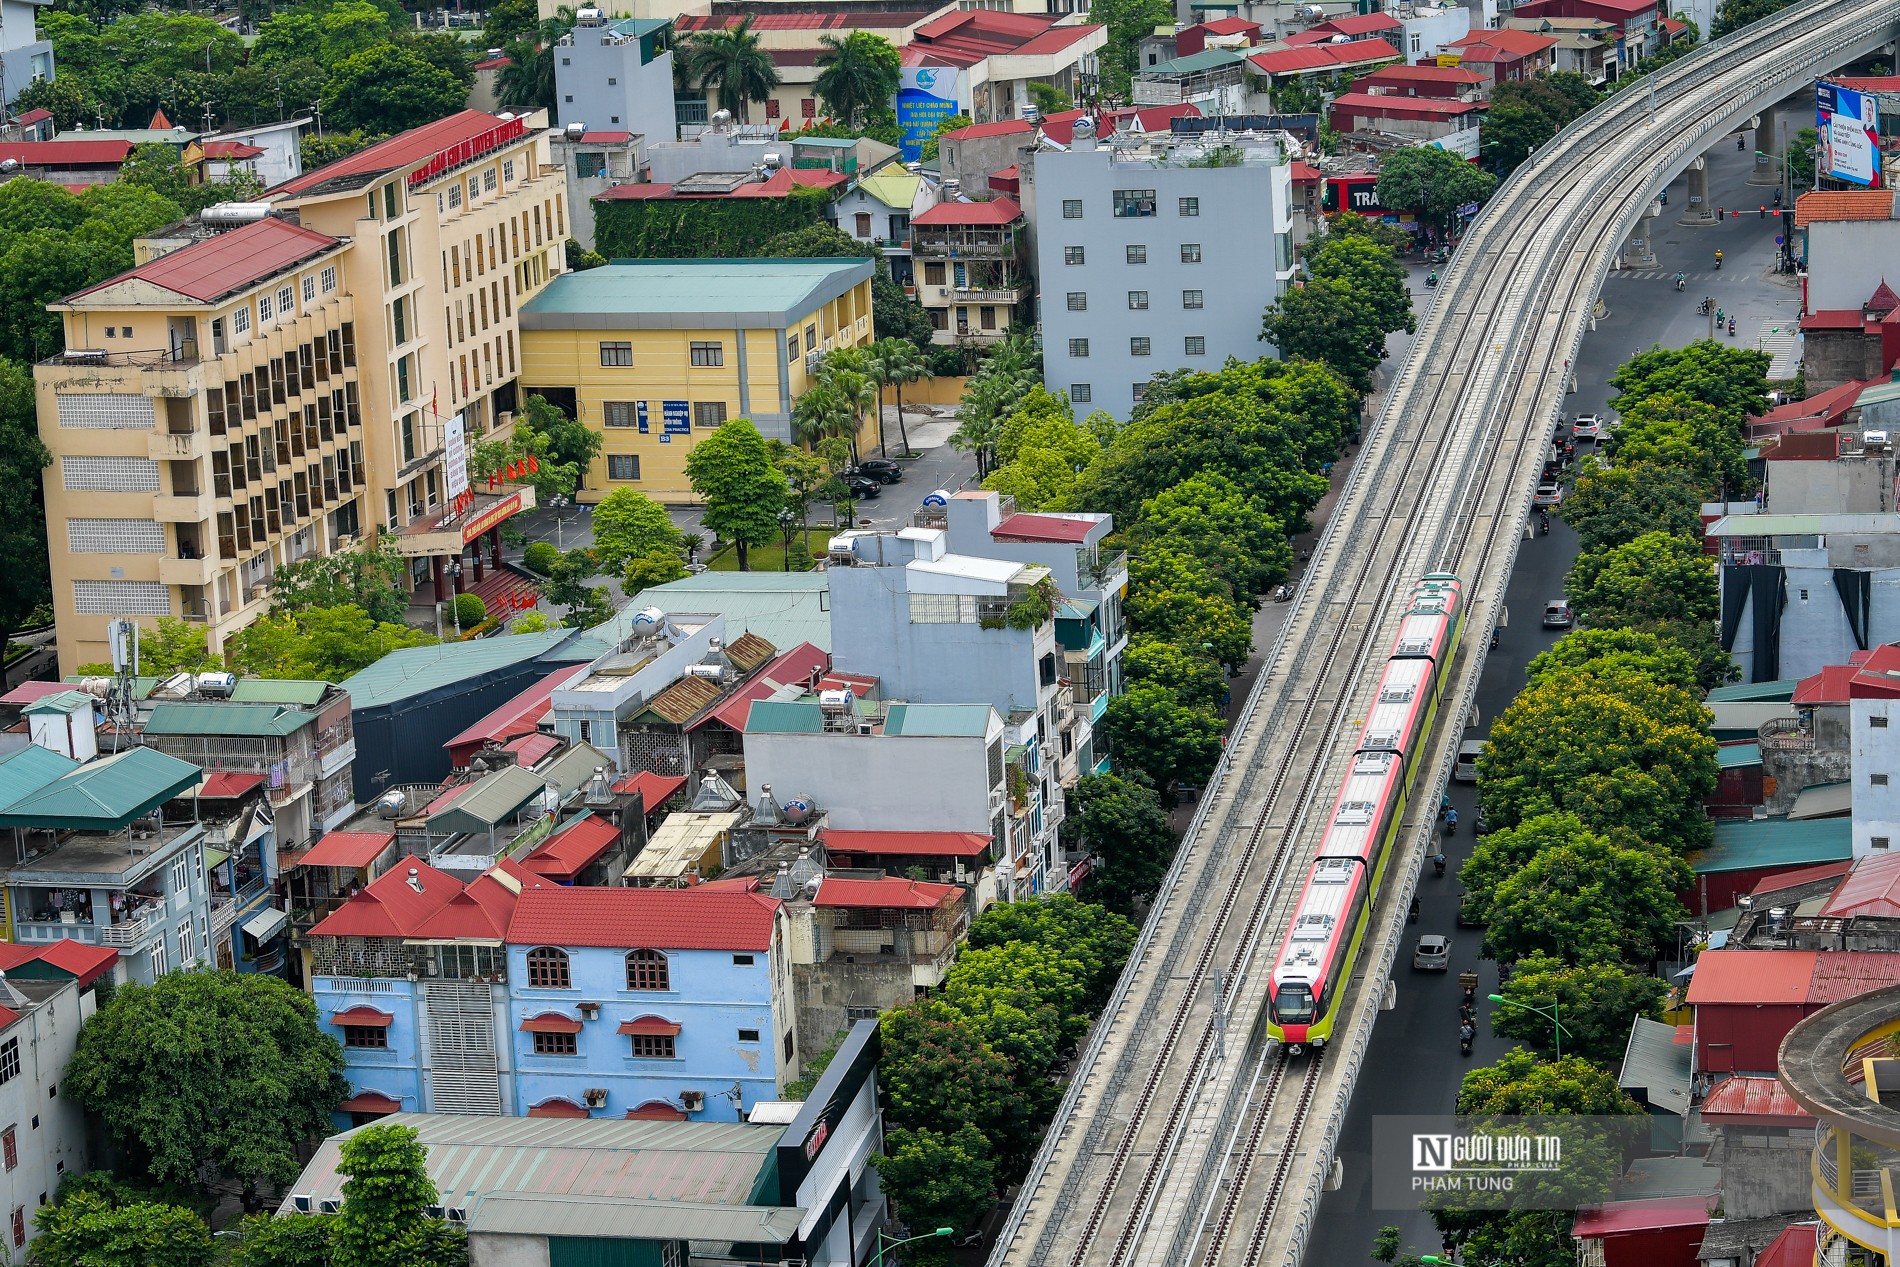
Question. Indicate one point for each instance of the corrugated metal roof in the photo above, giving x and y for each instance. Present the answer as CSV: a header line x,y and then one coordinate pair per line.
x,y
796,666
492,799
1751,1097
889,892
1660,1178
530,1214
106,794
1752,844
571,849
263,690
29,769
414,671
1817,977
227,719
471,1156
1781,689
924,844
684,843
569,772
1823,800
683,701
665,919
936,719
1735,756
352,849
217,266
784,717
1654,1063
1642,1215
785,608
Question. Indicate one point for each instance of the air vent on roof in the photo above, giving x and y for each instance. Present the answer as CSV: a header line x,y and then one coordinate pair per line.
x,y
1397,694
1313,928
1386,740
1354,814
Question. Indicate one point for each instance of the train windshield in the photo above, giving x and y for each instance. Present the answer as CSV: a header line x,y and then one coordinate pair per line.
x,y
1293,1003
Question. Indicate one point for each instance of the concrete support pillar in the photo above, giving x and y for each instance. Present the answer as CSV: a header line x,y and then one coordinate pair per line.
x,y
1640,252
478,562
1698,211
435,577
1767,168
494,548
458,574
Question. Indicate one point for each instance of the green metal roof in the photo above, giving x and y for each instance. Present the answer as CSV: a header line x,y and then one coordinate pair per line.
x,y
416,671
895,189
106,794
227,719
493,800
1748,844
570,771
1878,394
692,294
639,26
785,717
1206,59
784,608
936,719
1734,756
1779,690
29,769
263,690
63,702
1654,1062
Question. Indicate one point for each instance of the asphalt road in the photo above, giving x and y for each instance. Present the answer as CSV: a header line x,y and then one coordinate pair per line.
x,y
1413,1064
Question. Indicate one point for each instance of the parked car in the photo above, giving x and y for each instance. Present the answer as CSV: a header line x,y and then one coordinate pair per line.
x,y
1550,495
1465,769
882,470
1557,615
1588,427
1433,953
862,487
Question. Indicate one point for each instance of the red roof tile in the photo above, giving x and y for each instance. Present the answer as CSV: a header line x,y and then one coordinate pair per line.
x,y
782,182
87,963
1751,1098
1835,205
1319,56
996,211
1054,40
550,1023
1829,686
917,844
362,1014
389,907
1398,104
370,1102
1064,529
557,1107
481,911
889,893
977,131
493,63
67,153
801,664
1858,83
355,849
1768,977
653,1026
1805,875
231,149
1871,889
521,714
1399,75
1228,26
445,797
227,785
1793,1248
666,919
569,851
28,692
529,749
829,21
654,789
1514,42
228,262
605,137
1878,676
1363,24
1304,173
1829,404
33,116
400,150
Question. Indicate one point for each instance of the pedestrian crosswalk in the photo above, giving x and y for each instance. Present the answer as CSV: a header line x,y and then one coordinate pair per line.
x,y
1663,275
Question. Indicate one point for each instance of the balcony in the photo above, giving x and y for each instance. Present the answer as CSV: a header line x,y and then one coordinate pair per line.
x,y
130,933
177,446
1786,734
1101,569
970,243
183,508
992,295
185,571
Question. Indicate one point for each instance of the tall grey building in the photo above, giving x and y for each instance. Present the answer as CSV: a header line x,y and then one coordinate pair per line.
x,y
617,76
1155,255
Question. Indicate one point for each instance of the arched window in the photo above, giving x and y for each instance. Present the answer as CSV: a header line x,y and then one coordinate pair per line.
x,y
547,969
647,970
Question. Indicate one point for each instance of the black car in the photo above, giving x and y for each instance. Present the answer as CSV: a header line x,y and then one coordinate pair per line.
x,y
882,470
861,487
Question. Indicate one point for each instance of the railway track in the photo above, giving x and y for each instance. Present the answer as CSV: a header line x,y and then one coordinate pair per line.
x,y
1154,1156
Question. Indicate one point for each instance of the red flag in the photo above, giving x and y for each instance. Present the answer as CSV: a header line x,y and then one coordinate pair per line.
x,y
533,466
514,470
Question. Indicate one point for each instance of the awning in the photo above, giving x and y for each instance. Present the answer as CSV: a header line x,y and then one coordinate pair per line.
x,y
352,850
266,924
370,1102
215,857
654,1026
657,1111
361,1015
550,1023
557,1108
1823,800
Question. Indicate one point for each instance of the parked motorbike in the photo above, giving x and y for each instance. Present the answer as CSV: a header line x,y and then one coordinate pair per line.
x,y
1283,594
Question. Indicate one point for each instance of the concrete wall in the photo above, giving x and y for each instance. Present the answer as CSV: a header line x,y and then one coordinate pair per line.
x,y
1838,256
1764,1171
500,1249
1243,235
1874,745
1858,485
1814,628
869,782
823,992
48,1129
973,161
1830,358
603,84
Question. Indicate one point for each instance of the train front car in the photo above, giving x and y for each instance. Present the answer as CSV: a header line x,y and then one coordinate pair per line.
x,y
1329,926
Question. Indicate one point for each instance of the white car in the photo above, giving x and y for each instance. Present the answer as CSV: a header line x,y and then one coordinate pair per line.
x,y
1588,427
1550,495
1433,953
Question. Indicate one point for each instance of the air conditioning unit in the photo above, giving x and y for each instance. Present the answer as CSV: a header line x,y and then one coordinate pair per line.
x,y
596,1097
692,1101
300,1203
457,1214
329,1207
997,797
435,1211
258,593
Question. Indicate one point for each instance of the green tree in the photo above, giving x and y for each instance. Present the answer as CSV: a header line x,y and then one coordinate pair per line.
x,y
385,1220
1433,181
1152,731
937,1072
1519,1083
587,605
1174,595
1731,378
1119,818
1733,15
732,472
997,390
320,151
27,584
895,315
1611,505
1325,321
369,576
731,63
1588,901
815,242
1192,673
1050,99
86,1231
1595,1002
656,567
509,21
1208,517
939,1178
348,28
1128,22
857,75
1675,430
1026,1003
1655,578
1372,271
898,362
209,1072
325,644
287,1240
527,81
1352,224
629,524
390,88
1608,654
1096,940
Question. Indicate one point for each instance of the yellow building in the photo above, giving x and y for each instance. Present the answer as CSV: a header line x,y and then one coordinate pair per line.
x,y
656,353
271,381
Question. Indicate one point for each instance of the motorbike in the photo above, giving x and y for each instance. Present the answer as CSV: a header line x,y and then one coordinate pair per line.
x,y
1494,637
1718,260
1431,279
1741,143
1680,281
1465,1034
1731,327
1702,309
1283,594
1438,863
1451,822
1411,915
1543,526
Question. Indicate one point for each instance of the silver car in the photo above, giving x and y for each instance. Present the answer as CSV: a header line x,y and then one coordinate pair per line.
x,y
1433,953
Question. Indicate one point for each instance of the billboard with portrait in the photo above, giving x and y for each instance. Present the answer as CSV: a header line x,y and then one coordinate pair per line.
x,y
927,95
1849,127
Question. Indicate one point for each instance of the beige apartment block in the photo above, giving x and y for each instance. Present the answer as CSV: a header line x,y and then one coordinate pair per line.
x,y
275,380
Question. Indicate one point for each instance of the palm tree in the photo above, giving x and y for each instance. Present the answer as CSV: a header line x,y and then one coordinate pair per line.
x,y
848,377
859,75
818,415
902,363
731,63
527,82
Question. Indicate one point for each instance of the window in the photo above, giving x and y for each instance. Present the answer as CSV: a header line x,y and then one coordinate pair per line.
x,y
241,321
389,201
863,222
651,1046
1071,208
329,279
616,354
1879,842
556,1044
19,1226
9,1150
808,107
455,191
1078,301
1133,202
187,942
1137,254
1878,723
587,732
745,1036
708,413
9,1060
742,961
309,289
623,466
1081,393
1137,299
181,874
648,970
1196,345
791,348
620,413
1138,346
1078,347
705,354
1074,255
1190,207
286,301
1190,252
508,164
1140,392
264,309
373,1036
547,968
1878,780
488,181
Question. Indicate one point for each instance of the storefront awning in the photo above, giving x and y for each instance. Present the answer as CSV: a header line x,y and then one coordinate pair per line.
x,y
550,1023
266,924
655,1026
366,1016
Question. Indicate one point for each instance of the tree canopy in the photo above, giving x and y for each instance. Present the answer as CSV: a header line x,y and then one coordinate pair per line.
x,y
1434,182
1588,901
325,644
27,585
1731,378
732,471
87,1230
857,76
1657,577
1614,504
1594,1002
629,525
1519,1083
1119,819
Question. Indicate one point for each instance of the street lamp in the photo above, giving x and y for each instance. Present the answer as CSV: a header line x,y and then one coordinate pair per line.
x,y
1557,1026
786,522
557,504
921,1236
